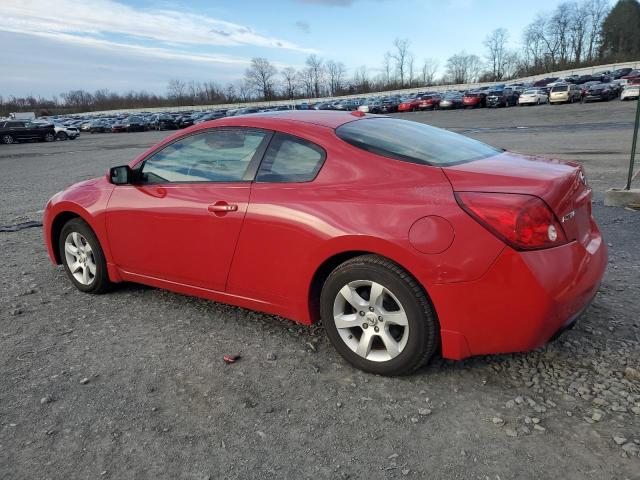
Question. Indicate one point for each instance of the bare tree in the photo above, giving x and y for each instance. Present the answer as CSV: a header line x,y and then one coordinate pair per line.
x,y
306,80
411,61
361,80
598,10
260,77
290,82
401,56
231,93
463,68
176,89
496,43
336,72
387,68
428,71
316,70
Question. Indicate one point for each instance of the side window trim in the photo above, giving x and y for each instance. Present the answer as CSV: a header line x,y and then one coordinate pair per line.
x,y
274,136
252,168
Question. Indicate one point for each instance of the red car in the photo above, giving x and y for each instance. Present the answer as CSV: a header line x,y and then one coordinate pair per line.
x,y
410,105
474,99
403,239
429,102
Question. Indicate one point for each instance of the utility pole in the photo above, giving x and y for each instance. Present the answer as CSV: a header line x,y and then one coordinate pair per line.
x,y
633,146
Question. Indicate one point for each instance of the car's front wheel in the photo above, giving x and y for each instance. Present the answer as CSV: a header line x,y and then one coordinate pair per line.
x,y
82,257
7,139
62,136
378,317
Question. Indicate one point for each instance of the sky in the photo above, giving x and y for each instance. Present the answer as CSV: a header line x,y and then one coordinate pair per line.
x,y
49,47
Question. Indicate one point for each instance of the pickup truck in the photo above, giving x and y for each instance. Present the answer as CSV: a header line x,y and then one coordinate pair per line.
x,y
12,131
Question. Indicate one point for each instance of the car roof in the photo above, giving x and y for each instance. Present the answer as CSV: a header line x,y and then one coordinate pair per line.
x,y
325,118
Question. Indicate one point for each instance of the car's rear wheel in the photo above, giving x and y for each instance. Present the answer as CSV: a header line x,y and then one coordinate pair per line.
x,y
82,257
7,139
49,137
378,317
62,136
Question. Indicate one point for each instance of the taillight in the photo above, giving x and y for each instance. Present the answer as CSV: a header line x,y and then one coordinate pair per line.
x,y
522,221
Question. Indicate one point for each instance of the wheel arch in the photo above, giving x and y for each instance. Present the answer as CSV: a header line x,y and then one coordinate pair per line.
x,y
330,263
57,224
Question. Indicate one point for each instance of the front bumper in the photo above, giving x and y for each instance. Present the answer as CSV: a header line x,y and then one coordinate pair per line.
x,y
522,301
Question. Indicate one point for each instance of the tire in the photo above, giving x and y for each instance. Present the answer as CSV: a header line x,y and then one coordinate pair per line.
x,y
8,139
62,136
79,235
387,347
49,137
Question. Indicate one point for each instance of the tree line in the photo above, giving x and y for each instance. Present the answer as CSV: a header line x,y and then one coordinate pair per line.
x,y
578,33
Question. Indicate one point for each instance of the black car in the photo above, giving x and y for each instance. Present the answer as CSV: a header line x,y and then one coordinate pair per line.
x,y
502,98
599,92
99,126
163,121
134,124
619,73
12,131
184,121
389,105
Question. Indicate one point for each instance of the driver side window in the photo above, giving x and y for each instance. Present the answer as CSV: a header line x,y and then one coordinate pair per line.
x,y
220,155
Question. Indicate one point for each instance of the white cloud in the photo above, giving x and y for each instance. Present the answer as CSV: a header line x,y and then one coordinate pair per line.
x,y
100,17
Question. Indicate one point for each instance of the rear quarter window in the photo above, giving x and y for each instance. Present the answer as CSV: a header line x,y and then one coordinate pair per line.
x,y
290,159
413,142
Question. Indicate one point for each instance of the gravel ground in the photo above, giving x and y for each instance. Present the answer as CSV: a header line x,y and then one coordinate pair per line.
x,y
132,384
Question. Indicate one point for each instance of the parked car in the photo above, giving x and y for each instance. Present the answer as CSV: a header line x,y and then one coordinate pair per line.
x,y
545,81
474,99
373,105
502,234
533,96
599,92
410,104
567,93
163,121
429,102
630,92
134,123
620,72
118,127
12,131
99,126
210,116
502,98
65,133
632,74
348,105
451,101
389,105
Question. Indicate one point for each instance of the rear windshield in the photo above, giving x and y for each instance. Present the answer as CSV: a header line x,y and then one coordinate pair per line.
x,y
560,88
413,142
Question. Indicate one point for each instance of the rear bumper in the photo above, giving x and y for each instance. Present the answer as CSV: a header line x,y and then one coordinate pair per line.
x,y
522,301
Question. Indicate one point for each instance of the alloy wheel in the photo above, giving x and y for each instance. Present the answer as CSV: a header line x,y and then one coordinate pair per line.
x,y
80,259
371,320
7,139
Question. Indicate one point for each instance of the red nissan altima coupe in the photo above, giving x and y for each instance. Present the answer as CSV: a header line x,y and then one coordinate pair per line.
x,y
400,238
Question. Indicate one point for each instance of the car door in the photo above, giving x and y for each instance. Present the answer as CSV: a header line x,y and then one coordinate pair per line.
x,y
18,130
180,219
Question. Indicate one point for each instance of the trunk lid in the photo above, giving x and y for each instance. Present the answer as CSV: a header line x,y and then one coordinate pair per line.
x,y
561,185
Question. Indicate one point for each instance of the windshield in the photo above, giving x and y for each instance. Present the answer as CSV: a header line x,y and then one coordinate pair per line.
x,y
530,92
560,88
413,142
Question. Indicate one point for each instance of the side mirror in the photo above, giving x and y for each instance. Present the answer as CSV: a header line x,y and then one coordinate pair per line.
x,y
122,175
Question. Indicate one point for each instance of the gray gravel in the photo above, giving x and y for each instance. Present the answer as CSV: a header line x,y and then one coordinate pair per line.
x,y
132,384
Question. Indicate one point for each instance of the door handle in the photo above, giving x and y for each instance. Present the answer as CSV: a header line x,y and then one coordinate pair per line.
x,y
222,207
